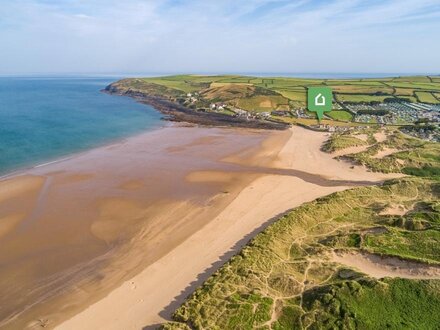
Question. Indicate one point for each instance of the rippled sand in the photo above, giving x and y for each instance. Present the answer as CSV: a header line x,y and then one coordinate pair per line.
x,y
72,230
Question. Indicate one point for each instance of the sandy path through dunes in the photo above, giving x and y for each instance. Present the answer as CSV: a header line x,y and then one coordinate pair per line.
x,y
379,267
386,152
350,150
150,297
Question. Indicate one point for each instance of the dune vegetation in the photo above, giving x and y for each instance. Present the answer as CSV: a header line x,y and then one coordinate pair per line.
x,y
400,153
342,141
287,277
301,271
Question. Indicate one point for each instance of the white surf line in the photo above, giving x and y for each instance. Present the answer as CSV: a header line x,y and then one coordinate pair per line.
x,y
24,170
52,162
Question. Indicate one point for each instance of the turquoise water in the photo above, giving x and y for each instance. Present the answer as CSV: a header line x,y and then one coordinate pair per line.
x,y
42,119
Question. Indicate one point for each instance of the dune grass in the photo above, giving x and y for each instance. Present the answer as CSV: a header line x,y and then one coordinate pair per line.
x,y
400,242
366,304
283,278
413,156
342,141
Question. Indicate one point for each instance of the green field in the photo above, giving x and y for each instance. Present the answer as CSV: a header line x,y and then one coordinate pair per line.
x,y
416,85
360,98
263,103
294,94
227,89
340,115
179,85
427,97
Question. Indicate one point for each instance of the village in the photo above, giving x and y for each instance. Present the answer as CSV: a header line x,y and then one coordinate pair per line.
x,y
394,113
411,116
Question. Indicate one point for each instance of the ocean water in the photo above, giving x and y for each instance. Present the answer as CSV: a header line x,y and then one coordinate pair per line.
x,y
43,119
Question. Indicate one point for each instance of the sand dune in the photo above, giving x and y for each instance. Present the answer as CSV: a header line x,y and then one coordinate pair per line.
x,y
380,136
349,151
386,152
379,267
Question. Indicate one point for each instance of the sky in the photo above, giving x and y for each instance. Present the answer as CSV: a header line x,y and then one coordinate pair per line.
x,y
219,36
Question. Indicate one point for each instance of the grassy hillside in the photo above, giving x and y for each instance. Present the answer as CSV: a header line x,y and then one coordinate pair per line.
x,y
283,100
233,88
285,277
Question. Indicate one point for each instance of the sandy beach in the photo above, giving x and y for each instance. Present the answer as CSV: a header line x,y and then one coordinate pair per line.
x,y
73,230
298,173
117,237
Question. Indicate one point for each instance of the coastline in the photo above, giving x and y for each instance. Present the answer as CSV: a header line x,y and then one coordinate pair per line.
x,y
178,113
116,179
70,155
48,119
150,297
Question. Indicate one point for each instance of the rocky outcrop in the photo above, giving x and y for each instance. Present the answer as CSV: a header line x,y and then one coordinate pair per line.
x,y
176,112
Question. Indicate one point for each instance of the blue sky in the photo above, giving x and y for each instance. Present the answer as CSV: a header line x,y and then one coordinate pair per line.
x,y
167,36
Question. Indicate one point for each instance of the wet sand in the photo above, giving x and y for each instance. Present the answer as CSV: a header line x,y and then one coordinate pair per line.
x,y
299,173
72,231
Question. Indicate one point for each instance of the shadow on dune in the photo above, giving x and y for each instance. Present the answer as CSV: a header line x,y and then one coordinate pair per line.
x,y
319,180
167,312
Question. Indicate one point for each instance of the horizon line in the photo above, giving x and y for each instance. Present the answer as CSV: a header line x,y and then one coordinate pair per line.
x,y
171,73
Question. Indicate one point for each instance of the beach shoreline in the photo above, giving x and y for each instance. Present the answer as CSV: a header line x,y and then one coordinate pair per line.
x,y
110,183
150,297
70,155
176,112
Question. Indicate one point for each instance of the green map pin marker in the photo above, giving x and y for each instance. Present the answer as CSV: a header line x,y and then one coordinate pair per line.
x,y
319,100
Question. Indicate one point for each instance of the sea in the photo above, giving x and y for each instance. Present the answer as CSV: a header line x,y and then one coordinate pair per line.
x,y
43,119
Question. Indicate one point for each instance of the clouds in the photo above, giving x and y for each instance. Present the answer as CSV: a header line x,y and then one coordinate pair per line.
x,y
100,36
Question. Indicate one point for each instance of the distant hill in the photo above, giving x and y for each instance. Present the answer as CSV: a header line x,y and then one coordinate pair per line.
x,y
264,97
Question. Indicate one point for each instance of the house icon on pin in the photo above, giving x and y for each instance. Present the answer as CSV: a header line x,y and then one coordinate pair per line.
x,y
320,100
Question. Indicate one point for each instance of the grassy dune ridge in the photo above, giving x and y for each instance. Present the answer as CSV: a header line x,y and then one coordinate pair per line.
x,y
284,278
287,277
408,155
